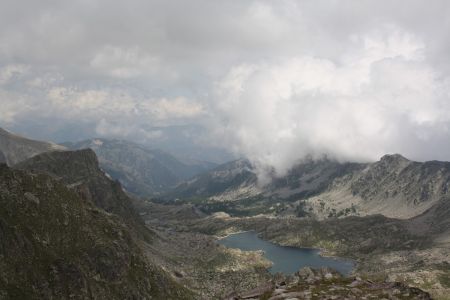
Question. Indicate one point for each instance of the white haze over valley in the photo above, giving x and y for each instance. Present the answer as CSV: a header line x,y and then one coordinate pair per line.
x,y
273,81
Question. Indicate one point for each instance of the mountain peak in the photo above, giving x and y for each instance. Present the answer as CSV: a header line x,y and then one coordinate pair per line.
x,y
394,158
16,148
4,132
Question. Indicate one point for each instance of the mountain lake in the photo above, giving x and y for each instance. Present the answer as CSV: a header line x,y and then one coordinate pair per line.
x,y
287,260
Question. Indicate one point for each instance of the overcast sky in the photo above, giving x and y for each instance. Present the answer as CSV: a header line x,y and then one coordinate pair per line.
x,y
270,80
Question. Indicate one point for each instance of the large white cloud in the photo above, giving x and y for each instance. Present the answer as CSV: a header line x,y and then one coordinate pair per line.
x,y
384,98
274,80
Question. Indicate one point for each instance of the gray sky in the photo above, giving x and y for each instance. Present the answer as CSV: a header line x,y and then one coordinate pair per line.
x,y
271,80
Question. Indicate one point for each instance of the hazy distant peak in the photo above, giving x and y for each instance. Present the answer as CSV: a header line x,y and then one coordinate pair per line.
x,y
4,132
97,142
7,134
16,148
393,157
241,163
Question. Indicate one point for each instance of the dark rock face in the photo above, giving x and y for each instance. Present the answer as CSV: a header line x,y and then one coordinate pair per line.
x,y
80,171
55,245
2,158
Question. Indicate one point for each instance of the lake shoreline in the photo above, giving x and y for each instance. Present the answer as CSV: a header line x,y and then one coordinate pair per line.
x,y
286,259
323,252
221,237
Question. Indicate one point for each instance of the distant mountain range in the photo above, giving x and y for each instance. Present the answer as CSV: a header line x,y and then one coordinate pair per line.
x,y
188,141
393,186
322,188
141,171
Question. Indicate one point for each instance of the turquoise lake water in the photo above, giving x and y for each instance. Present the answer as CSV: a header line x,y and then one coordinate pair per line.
x,y
287,260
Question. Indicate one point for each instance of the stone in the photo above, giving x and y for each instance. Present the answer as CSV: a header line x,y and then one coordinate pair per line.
x,y
30,197
355,283
306,273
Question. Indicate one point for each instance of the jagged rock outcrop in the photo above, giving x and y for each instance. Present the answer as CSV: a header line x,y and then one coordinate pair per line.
x,y
16,148
56,245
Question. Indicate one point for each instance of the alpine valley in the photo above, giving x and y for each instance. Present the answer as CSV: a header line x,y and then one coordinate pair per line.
x,y
112,219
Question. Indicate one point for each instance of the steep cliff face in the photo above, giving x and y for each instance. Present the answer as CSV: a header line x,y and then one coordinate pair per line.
x,y
56,245
80,171
16,148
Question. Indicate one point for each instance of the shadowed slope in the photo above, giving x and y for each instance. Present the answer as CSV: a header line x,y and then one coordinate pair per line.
x,y
56,245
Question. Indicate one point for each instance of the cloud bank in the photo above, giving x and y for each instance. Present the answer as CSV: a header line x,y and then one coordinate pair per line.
x,y
385,99
273,81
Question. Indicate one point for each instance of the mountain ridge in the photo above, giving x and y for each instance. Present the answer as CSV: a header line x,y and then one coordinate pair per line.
x,y
80,171
15,148
393,186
